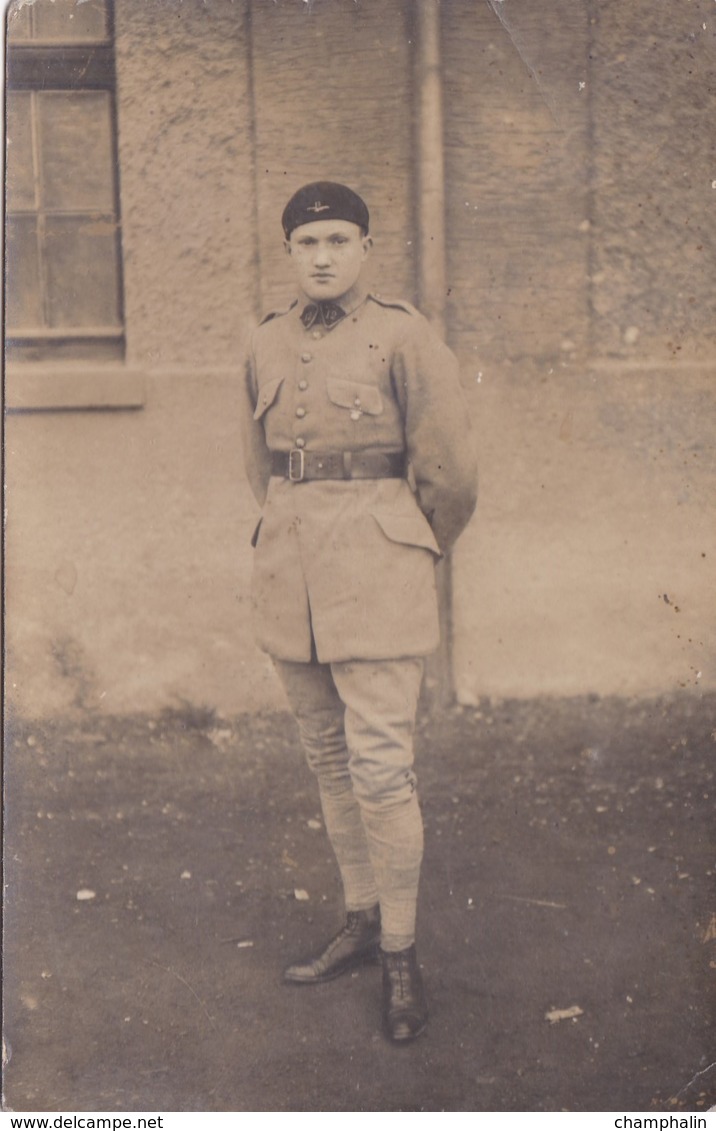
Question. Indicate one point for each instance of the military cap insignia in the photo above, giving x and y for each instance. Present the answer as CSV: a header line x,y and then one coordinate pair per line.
x,y
318,207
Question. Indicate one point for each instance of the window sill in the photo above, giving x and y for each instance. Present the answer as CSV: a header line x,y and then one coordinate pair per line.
x,y
67,387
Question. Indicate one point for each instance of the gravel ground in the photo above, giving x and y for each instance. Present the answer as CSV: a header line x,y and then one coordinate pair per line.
x,y
161,871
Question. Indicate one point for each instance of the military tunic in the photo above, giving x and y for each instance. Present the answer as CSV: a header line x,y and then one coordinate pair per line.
x,y
347,566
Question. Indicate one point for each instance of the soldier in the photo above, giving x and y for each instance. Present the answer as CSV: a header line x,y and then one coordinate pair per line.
x,y
347,394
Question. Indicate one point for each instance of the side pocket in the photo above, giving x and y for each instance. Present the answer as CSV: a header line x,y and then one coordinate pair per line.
x,y
255,535
267,396
408,530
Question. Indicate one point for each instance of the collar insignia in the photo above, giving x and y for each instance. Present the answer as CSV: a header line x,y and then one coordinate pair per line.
x,y
328,312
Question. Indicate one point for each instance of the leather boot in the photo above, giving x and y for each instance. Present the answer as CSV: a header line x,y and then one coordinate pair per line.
x,y
355,943
405,1012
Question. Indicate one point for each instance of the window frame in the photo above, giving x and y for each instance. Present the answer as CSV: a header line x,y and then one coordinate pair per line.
x,y
71,367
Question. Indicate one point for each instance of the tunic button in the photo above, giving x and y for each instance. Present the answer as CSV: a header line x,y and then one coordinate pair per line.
x,y
356,402
316,334
300,412
300,442
306,357
303,385
355,415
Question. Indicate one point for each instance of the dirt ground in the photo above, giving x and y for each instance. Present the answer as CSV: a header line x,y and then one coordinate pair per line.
x,y
161,871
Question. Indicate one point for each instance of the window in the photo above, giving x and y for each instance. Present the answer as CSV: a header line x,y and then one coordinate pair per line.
x,y
63,267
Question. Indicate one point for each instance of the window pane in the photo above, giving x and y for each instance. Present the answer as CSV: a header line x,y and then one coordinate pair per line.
x,y
20,164
82,270
18,22
22,290
76,148
70,20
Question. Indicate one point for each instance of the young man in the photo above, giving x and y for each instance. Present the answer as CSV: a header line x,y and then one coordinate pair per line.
x,y
346,393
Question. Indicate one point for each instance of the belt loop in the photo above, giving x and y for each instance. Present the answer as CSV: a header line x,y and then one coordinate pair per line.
x,y
347,465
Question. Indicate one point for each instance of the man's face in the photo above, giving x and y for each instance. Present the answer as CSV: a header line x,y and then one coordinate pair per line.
x,y
327,257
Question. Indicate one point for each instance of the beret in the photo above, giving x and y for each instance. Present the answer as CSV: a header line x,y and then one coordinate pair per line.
x,y
324,200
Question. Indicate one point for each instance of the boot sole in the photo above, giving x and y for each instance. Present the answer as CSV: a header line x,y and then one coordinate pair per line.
x,y
406,1040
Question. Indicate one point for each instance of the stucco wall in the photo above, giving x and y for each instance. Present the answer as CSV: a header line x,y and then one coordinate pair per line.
x,y
590,564
186,180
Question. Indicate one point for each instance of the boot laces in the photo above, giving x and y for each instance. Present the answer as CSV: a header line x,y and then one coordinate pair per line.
x,y
399,966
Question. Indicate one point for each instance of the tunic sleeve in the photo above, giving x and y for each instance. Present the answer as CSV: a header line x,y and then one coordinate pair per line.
x,y
257,458
439,437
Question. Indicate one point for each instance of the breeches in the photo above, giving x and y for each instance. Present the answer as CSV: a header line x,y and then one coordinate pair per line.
x,y
356,720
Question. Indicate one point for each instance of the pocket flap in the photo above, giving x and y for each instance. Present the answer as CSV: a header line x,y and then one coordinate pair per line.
x,y
267,396
408,529
354,395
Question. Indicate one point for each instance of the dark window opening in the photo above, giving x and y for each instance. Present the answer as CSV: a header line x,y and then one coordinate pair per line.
x,y
63,245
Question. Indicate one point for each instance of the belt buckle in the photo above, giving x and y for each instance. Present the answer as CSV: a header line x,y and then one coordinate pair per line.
x,y
296,478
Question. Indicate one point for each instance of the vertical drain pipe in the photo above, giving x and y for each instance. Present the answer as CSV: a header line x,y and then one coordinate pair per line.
x,y
431,166
432,273
253,130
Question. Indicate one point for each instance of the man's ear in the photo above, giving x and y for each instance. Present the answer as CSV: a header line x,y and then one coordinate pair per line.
x,y
367,245
287,246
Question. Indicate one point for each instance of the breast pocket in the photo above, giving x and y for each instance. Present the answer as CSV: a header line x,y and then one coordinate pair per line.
x,y
267,396
355,397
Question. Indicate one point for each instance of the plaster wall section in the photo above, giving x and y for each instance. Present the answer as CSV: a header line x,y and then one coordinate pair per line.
x,y
186,180
591,564
128,557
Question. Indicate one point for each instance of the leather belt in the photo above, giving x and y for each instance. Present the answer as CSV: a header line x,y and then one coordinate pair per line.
x,y
298,465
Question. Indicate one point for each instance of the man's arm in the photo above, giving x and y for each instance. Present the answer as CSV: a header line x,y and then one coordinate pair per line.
x,y
257,458
439,437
